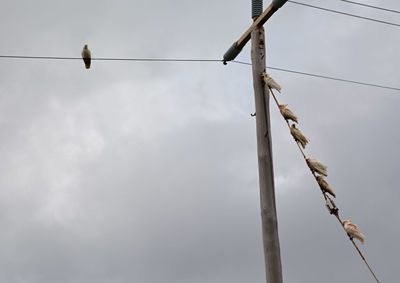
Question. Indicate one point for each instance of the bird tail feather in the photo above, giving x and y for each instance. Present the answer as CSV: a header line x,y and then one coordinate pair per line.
x,y
361,237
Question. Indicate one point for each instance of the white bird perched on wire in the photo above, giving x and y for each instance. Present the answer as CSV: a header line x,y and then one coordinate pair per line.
x,y
298,136
317,166
287,113
86,56
325,186
353,231
270,82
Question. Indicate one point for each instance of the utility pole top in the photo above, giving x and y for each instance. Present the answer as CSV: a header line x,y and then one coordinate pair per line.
x,y
237,46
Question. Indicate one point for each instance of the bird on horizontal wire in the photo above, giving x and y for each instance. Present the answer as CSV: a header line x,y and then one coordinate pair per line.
x,y
325,186
86,56
353,231
287,113
317,166
270,82
298,136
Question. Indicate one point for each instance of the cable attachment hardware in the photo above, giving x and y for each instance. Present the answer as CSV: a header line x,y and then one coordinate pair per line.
x,y
331,206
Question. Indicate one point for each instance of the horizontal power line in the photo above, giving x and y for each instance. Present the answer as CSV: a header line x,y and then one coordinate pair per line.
x,y
324,77
110,59
343,13
370,6
195,60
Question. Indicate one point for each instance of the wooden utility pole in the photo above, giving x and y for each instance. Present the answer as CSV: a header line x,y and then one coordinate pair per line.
x,y
269,221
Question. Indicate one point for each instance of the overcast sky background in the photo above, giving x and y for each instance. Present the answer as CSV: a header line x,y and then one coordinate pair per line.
x,y
147,172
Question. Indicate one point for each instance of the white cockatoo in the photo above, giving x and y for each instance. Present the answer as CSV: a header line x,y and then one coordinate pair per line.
x,y
86,56
298,136
317,166
287,113
325,186
353,231
271,83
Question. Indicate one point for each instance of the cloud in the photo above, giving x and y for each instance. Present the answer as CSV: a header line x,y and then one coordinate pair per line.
x,y
138,171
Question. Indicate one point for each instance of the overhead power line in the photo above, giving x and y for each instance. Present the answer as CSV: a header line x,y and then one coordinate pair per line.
x,y
196,60
343,13
370,6
109,59
330,204
324,77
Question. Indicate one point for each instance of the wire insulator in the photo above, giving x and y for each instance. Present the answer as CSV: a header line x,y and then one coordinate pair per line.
x,y
256,8
232,52
278,3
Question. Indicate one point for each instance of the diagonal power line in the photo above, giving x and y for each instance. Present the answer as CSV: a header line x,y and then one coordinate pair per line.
x,y
195,60
333,209
343,13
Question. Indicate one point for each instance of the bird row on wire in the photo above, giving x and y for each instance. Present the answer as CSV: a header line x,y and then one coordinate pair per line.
x,y
318,169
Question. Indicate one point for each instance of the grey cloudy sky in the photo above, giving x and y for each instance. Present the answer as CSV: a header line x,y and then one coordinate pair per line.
x,y
147,172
